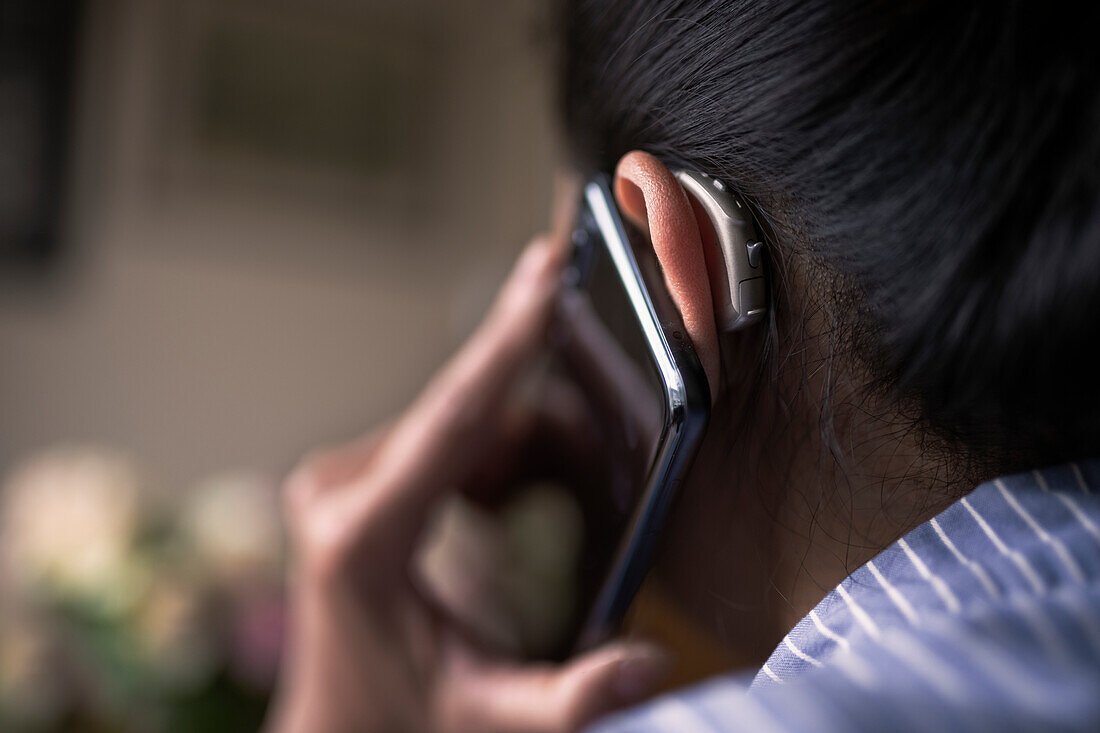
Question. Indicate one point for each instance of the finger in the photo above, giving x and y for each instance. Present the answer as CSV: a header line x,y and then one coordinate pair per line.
x,y
549,699
325,469
333,467
446,431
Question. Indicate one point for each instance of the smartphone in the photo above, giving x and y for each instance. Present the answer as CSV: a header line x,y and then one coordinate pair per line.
x,y
620,337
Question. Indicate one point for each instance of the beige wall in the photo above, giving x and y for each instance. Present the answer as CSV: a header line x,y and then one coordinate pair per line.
x,y
206,321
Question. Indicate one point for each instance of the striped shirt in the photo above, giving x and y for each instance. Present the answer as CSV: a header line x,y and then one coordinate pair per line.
x,y
986,617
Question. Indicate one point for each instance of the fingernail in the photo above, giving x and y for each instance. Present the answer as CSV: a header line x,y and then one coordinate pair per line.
x,y
640,671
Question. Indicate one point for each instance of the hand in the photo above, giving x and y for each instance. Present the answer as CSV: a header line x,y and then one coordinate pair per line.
x,y
367,651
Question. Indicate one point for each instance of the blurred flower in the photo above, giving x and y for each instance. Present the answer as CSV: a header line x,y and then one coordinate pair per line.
x,y
174,629
134,610
33,688
68,520
256,642
233,524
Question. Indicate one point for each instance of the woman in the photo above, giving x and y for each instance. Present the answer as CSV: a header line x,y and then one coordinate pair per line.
x,y
875,541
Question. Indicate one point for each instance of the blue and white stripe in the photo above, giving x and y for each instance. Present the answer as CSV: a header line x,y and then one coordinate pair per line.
x,y
984,618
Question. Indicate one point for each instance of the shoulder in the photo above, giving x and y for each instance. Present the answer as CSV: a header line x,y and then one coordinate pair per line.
x,y
985,618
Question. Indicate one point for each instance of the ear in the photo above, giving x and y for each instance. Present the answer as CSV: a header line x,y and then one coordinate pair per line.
x,y
651,197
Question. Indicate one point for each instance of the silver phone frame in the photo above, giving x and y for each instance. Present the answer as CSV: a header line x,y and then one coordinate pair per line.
x,y
687,412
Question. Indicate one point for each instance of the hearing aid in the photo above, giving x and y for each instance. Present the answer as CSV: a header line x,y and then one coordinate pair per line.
x,y
740,292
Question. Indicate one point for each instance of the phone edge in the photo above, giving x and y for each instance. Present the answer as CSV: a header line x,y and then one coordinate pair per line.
x,y
688,402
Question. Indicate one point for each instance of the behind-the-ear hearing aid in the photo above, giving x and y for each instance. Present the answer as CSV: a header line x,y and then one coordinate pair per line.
x,y
740,295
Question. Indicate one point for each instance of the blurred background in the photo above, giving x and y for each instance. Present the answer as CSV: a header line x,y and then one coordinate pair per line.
x,y
230,231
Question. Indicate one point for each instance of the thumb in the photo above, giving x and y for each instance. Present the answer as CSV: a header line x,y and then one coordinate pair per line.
x,y
548,699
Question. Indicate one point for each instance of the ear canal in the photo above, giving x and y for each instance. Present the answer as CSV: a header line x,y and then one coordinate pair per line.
x,y
734,254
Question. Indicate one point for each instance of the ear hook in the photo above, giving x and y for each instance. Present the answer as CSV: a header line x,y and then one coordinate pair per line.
x,y
740,298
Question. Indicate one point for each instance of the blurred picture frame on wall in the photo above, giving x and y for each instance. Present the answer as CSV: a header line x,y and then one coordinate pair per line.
x,y
320,101
38,41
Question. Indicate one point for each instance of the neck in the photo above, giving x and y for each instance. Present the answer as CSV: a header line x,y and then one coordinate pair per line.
x,y
771,521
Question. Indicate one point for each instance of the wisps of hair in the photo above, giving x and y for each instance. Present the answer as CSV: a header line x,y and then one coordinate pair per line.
x,y
940,160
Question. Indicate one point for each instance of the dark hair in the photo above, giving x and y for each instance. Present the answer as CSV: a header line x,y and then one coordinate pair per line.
x,y
940,160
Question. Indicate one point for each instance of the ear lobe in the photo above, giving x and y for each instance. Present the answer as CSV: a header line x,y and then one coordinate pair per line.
x,y
651,198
